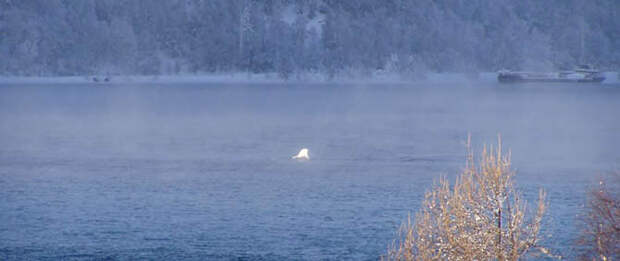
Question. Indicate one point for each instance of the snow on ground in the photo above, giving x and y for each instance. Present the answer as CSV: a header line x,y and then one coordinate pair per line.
x,y
210,78
244,78
485,77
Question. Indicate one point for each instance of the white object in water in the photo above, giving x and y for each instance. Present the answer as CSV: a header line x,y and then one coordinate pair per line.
x,y
302,155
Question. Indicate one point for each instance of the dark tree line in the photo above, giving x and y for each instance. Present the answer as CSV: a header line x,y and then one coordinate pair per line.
x,y
288,37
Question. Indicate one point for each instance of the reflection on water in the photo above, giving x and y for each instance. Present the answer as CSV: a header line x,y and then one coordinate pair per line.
x,y
205,171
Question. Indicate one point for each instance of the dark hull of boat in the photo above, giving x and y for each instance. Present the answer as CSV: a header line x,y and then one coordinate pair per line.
x,y
515,78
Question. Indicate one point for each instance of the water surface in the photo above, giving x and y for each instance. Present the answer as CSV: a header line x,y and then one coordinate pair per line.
x,y
203,171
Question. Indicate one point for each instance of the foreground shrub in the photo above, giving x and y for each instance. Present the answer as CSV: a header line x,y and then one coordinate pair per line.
x,y
480,217
601,233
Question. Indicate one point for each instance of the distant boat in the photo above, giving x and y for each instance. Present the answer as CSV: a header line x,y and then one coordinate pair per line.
x,y
302,155
101,78
583,74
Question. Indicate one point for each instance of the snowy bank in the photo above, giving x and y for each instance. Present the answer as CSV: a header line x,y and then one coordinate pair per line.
x,y
210,78
264,78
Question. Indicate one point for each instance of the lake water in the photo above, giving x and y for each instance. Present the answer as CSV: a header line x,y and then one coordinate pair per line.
x,y
203,171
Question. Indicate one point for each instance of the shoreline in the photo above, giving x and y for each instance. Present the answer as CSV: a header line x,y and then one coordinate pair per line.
x,y
265,78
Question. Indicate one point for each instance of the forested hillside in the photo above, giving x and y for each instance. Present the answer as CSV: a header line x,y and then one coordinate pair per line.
x,y
331,37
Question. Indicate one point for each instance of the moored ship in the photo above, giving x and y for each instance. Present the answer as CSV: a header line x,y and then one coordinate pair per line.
x,y
583,74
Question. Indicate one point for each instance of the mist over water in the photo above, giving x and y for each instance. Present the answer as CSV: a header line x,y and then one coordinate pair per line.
x,y
204,171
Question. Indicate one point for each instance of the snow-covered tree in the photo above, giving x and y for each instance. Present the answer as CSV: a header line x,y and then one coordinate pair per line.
x,y
480,217
333,37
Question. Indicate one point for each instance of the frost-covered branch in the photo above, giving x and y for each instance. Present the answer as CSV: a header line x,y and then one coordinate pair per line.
x,y
480,217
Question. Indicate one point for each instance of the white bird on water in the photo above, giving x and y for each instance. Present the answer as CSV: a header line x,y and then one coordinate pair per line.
x,y
302,155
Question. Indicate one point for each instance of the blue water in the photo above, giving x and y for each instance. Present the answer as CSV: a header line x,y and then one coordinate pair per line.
x,y
203,171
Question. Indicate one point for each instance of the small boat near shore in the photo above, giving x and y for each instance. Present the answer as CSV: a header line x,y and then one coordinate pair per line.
x,y
101,79
583,74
